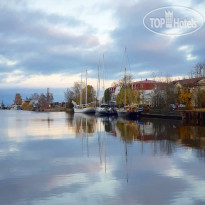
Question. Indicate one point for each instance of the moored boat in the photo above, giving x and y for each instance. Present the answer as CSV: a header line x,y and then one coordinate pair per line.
x,y
83,108
105,109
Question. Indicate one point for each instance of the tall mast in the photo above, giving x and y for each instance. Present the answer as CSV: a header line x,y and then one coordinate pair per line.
x,y
81,90
99,80
86,90
103,81
125,79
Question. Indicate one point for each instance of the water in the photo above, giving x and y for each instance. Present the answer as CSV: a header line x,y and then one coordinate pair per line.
x,y
57,158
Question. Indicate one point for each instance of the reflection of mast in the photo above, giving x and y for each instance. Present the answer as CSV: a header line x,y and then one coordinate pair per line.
x,y
142,138
99,141
105,151
81,132
87,137
125,135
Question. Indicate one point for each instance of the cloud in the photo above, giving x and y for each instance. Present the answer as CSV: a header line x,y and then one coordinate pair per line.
x,y
51,42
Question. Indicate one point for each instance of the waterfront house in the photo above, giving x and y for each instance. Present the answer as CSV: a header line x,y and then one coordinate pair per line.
x,y
147,89
192,85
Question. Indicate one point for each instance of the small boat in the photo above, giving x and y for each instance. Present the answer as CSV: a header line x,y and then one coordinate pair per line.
x,y
132,111
105,109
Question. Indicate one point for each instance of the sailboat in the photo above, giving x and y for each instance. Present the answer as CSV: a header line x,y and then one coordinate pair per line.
x,y
103,109
83,108
132,110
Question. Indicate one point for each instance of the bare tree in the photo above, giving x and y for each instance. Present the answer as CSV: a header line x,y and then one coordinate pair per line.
x,y
18,99
69,95
42,99
35,96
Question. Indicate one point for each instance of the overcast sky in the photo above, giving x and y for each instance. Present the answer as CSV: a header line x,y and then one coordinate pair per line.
x,y
48,43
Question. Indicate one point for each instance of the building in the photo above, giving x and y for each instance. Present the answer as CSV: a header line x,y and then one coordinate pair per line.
x,y
147,89
192,85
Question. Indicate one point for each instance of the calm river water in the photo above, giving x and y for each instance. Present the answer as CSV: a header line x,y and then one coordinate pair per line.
x,y
58,158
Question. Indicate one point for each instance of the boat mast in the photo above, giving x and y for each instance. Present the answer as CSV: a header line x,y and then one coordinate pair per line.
x,y
125,79
81,90
86,90
99,81
103,81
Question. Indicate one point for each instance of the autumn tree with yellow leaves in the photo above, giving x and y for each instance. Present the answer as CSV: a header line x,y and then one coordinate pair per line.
x,y
26,106
132,96
185,98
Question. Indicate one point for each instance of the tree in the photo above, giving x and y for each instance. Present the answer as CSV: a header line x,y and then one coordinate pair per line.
x,y
170,96
76,90
132,96
158,100
202,97
26,106
199,71
185,97
42,100
69,95
107,95
90,93
18,99
35,96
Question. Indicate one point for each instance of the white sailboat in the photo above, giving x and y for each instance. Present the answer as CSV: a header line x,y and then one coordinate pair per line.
x,y
83,108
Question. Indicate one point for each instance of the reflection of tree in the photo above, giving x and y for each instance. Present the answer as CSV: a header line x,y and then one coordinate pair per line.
x,y
85,125
192,136
160,135
129,130
108,126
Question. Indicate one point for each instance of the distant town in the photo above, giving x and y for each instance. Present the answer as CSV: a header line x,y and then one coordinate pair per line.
x,y
187,93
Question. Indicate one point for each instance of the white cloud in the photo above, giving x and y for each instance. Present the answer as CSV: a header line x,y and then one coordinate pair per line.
x,y
7,62
188,49
19,79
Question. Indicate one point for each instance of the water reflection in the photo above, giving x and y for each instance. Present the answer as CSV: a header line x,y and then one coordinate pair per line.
x,y
58,158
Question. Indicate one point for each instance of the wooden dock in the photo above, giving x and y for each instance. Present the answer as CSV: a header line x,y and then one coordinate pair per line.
x,y
195,117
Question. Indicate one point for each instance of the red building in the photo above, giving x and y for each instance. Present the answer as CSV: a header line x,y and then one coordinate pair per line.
x,y
145,87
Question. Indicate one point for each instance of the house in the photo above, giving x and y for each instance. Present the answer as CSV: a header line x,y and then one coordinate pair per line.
x,y
147,89
192,85
34,103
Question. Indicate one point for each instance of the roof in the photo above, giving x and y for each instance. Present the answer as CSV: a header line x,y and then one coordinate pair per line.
x,y
144,85
187,82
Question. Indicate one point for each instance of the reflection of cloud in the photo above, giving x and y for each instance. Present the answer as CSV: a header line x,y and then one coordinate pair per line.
x,y
195,186
39,127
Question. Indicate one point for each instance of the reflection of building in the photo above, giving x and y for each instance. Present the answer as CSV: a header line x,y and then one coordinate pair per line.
x,y
145,87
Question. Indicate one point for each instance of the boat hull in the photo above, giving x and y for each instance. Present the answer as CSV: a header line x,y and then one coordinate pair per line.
x,y
104,111
125,114
84,110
